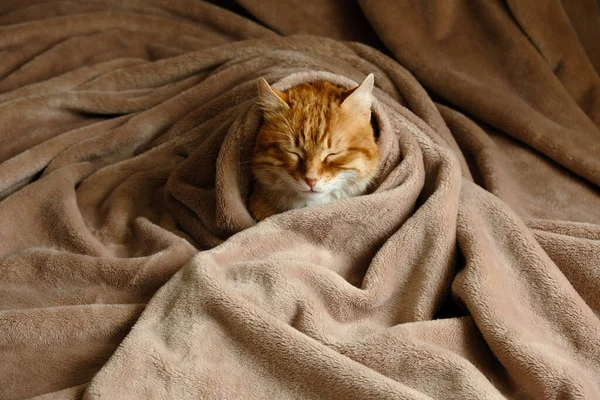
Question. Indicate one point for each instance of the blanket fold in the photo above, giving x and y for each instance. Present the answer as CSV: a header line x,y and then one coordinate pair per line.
x,y
130,266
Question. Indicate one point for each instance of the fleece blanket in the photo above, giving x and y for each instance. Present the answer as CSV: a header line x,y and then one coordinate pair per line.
x,y
130,267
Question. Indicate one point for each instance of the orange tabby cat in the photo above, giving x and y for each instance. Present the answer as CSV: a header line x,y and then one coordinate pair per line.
x,y
316,145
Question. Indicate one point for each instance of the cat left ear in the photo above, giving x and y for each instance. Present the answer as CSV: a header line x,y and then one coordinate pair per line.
x,y
271,100
359,99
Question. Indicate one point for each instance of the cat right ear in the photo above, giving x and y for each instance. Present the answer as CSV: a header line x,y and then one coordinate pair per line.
x,y
358,100
271,100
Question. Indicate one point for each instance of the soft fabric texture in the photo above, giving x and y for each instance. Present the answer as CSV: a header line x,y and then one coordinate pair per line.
x,y
130,267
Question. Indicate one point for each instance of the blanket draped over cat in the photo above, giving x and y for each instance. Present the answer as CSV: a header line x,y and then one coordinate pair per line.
x,y
131,267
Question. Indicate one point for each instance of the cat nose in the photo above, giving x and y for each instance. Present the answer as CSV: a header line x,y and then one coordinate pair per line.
x,y
311,182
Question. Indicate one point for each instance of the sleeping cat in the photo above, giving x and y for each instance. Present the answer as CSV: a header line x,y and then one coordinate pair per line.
x,y
316,145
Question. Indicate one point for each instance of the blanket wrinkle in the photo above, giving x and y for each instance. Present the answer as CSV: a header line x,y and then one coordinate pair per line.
x,y
131,268
509,90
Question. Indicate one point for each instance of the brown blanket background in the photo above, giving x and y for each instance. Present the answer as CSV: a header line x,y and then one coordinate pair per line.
x,y
130,267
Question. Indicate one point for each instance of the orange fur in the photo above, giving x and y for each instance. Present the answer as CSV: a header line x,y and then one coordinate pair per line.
x,y
316,145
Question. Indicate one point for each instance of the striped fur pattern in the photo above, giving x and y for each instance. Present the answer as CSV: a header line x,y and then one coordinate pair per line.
x,y
316,145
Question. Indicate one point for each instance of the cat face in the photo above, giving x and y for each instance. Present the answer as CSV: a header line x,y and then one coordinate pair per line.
x,y
316,139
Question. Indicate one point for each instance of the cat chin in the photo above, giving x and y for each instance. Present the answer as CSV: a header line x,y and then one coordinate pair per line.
x,y
312,195
305,199
328,195
289,198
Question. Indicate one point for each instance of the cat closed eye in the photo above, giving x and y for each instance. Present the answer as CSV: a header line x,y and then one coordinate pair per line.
x,y
329,156
294,155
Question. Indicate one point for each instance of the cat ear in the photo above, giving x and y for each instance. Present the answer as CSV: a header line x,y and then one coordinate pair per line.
x,y
358,100
271,100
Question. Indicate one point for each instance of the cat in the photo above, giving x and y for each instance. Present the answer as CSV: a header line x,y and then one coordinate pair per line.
x,y
316,144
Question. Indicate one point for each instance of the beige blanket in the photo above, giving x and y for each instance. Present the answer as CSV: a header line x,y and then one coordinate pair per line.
x,y
130,267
